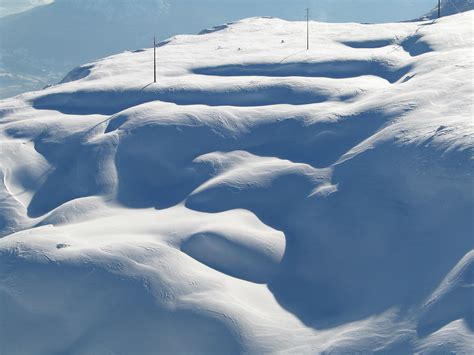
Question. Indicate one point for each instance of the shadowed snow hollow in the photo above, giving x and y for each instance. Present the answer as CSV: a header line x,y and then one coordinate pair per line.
x,y
259,198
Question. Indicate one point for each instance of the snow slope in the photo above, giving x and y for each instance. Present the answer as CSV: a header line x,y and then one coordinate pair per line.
x,y
450,7
259,198
34,53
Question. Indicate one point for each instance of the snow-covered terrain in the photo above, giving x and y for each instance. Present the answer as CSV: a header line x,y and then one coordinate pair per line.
x,y
450,7
259,198
39,46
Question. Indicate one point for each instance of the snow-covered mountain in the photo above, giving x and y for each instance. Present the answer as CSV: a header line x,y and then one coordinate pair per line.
x,y
10,7
39,46
259,198
449,7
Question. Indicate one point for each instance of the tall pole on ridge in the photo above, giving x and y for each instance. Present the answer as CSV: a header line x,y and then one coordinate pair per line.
x,y
307,29
154,59
439,8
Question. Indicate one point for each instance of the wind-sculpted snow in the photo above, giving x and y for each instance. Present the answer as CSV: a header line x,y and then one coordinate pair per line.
x,y
259,198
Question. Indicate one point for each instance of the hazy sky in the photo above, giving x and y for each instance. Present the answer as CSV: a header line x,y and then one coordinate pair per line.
x,y
324,10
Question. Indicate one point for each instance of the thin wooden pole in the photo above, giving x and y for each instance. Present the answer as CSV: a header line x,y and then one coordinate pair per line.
x,y
439,8
307,29
154,59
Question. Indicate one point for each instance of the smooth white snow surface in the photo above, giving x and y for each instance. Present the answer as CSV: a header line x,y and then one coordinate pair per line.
x,y
259,198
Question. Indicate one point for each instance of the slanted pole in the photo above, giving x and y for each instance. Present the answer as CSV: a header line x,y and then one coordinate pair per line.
x,y
154,59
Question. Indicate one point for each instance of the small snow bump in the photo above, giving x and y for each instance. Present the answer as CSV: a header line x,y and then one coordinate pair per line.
x,y
214,29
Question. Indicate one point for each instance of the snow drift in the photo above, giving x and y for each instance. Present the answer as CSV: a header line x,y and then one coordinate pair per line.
x,y
258,198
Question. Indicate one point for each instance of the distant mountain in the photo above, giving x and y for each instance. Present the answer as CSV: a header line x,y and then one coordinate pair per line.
x,y
38,46
9,7
449,7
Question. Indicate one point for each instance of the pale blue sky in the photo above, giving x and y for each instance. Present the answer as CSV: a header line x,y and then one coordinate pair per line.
x,y
324,10
332,10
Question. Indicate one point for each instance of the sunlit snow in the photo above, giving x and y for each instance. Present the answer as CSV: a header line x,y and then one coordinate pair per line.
x,y
258,198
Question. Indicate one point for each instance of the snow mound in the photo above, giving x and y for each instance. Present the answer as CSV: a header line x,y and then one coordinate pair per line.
x,y
258,198
77,74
